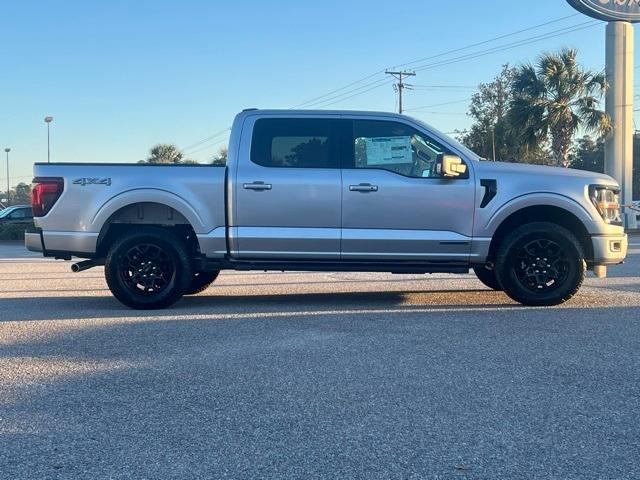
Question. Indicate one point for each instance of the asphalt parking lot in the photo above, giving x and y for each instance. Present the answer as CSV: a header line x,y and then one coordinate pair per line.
x,y
314,375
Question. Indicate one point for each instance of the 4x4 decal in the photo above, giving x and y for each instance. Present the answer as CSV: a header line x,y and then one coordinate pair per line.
x,y
93,181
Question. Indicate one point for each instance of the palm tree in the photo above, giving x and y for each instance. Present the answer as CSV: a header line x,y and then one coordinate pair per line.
x,y
554,100
164,153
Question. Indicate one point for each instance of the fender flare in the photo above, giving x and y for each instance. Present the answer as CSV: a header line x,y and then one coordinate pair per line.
x,y
146,195
540,199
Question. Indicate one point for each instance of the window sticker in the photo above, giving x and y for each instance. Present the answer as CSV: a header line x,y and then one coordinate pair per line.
x,y
388,150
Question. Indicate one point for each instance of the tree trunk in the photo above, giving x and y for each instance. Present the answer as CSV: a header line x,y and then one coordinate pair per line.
x,y
561,144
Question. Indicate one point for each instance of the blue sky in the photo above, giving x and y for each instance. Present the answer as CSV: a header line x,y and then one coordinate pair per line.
x,y
120,76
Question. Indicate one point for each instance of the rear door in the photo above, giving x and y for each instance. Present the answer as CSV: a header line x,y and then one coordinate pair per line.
x,y
394,205
288,190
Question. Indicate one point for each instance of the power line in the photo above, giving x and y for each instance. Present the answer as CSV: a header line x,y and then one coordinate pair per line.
x,y
347,94
313,100
556,33
444,113
321,98
509,46
438,105
386,82
446,87
206,147
333,97
484,42
205,140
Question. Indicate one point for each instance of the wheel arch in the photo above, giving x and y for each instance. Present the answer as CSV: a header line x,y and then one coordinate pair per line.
x,y
542,213
160,209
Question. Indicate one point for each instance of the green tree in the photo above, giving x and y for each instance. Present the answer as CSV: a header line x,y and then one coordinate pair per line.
x,y
554,99
589,155
491,128
220,158
21,194
164,153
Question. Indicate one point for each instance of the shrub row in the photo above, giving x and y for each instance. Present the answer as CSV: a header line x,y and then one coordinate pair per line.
x,y
12,232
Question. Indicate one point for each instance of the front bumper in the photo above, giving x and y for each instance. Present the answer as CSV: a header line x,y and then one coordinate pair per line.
x,y
609,249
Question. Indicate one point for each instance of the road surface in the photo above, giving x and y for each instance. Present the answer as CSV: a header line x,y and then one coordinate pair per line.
x,y
316,375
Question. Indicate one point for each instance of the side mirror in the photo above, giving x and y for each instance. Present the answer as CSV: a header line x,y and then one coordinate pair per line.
x,y
451,166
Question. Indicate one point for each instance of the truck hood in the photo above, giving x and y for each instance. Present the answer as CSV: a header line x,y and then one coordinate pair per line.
x,y
542,172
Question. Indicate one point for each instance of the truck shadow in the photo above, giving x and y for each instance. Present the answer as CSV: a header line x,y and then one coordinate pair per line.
x,y
95,307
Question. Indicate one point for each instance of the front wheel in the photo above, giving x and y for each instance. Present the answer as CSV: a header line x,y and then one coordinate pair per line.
x,y
148,268
487,277
200,282
540,264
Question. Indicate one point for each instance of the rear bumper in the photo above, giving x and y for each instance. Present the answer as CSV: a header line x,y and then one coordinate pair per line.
x,y
33,242
61,244
609,249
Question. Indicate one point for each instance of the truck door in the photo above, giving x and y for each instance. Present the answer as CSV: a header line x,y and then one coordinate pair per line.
x,y
394,205
287,190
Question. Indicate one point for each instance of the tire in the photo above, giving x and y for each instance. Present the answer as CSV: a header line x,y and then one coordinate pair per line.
x,y
487,277
540,264
200,282
163,264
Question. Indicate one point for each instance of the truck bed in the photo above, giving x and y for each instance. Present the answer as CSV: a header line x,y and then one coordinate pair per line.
x,y
95,193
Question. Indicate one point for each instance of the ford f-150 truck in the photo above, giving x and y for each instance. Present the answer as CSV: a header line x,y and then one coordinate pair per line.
x,y
330,191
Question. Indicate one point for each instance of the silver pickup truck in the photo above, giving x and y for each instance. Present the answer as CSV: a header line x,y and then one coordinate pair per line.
x,y
330,191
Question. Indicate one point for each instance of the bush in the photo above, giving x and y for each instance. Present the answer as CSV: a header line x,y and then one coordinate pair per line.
x,y
13,231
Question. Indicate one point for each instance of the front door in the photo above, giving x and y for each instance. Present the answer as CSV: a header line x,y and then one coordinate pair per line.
x,y
394,205
287,194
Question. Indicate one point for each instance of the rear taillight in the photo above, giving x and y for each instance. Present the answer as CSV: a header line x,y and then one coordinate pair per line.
x,y
46,192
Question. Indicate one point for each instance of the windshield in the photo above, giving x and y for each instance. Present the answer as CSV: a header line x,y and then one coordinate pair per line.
x,y
449,140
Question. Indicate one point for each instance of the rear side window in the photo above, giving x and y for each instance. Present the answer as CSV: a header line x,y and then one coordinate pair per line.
x,y
294,143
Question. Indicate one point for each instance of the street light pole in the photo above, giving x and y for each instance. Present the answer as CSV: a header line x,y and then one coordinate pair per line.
x,y
7,150
48,121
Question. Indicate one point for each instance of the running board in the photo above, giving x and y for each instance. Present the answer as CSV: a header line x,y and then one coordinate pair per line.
x,y
384,267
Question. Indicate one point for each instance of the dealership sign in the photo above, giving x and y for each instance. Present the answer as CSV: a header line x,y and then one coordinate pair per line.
x,y
609,10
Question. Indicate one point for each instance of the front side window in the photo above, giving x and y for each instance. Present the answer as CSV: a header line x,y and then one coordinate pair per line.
x,y
395,147
293,143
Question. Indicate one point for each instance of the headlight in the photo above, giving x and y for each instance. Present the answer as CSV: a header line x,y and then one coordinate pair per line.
x,y
607,201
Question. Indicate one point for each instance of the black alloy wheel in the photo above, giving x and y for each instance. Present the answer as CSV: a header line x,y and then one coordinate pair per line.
x,y
148,268
540,264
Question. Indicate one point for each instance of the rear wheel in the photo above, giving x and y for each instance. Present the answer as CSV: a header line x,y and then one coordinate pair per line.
x,y
149,268
540,264
200,282
487,277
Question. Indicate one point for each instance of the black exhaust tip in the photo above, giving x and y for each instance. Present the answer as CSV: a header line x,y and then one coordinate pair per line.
x,y
85,265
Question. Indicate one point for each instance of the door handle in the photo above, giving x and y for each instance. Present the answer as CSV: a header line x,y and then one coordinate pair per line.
x,y
257,186
363,187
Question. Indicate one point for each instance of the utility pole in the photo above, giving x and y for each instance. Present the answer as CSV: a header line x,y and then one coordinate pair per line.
x,y
48,121
7,150
493,137
400,85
